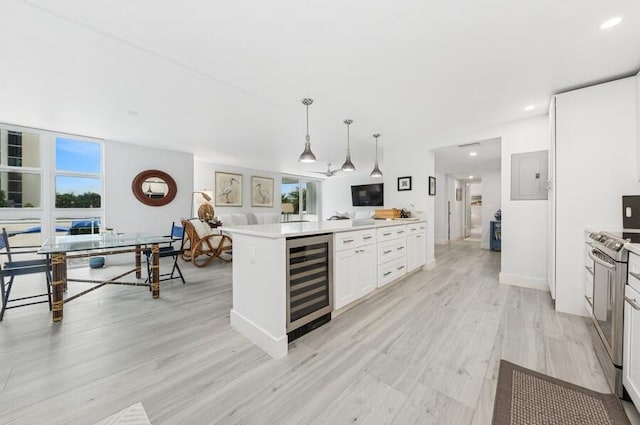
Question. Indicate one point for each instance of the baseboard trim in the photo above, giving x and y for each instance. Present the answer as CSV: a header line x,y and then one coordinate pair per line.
x,y
523,282
275,347
431,264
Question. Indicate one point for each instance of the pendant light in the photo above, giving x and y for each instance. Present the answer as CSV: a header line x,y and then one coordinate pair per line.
x,y
348,165
307,155
376,170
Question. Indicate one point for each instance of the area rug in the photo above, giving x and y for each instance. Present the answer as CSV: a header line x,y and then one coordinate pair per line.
x,y
524,396
132,415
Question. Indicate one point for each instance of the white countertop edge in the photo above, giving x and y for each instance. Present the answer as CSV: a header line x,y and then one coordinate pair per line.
x,y
633,247
286,230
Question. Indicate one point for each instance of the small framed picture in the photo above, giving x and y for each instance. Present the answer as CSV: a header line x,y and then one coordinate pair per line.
x,y
261,191
459,194
432,186
404,183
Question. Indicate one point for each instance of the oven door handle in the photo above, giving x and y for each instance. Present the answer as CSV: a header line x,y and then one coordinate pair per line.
x,y
602,263
632,302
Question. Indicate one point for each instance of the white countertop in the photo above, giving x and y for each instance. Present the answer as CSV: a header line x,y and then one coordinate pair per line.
x,y
633,247
285,230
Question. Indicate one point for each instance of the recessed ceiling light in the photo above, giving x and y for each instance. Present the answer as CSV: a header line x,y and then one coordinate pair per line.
x,y
609,23
470,177
530,107
474,153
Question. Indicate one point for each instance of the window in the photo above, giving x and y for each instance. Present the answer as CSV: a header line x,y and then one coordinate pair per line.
x,y
303,194
49,183
20,175
78,180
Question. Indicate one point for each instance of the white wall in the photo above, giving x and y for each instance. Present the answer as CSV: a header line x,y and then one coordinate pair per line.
x,y
440,210
491,202
204,178
596,147
123,211
336,194
524,223
418,162
524,236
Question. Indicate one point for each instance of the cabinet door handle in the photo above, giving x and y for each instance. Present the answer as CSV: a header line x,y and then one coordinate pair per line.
x,y
418,236
347,240
388,251
387,273
413,230
633,302
386,234
399,248
359,250
400,231
367,237
401,267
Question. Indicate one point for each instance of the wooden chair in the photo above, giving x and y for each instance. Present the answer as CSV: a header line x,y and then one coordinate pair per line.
x,y
11,268
202,244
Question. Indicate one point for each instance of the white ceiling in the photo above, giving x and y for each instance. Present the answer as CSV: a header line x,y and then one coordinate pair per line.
x,y
456,161
224,80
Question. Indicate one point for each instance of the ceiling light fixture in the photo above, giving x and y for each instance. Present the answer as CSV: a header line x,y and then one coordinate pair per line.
x,y
474,153
376,170
530,107
307,155
470,177
609,23
348,165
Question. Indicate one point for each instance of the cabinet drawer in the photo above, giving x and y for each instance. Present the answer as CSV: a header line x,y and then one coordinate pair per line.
x,y
391,271
346,240
391,232
390,250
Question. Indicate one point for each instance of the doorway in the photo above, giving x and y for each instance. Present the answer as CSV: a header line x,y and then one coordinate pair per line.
x,y
473,203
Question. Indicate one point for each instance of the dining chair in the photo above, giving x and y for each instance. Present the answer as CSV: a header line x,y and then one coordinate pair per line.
x,y
177,236
11,269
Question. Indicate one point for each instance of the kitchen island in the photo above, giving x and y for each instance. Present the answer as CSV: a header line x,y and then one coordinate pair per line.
x,y
337,263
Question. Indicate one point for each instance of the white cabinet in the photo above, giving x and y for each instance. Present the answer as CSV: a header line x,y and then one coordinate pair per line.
x,y
631,344
416,246
392,253
354,268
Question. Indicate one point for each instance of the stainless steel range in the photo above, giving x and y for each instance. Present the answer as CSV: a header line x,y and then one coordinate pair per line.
x,y
610,264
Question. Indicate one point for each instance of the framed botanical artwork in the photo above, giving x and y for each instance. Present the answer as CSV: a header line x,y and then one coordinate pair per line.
x,y
228,189
432,186
404,183
261,191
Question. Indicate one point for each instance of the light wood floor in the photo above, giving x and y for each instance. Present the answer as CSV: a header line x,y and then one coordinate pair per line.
x,y
423,351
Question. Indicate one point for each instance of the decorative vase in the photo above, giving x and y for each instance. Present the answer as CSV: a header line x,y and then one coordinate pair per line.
x,y
96,262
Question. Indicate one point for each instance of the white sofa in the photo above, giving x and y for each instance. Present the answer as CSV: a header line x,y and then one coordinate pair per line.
x,y
240,219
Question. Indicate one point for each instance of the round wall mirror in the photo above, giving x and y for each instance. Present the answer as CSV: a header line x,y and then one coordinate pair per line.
x,y
154,188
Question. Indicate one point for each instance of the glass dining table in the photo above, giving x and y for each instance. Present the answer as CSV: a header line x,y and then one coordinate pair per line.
x,y
59,249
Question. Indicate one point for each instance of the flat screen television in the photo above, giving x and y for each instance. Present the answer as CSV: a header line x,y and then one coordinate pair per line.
x,y
368,195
